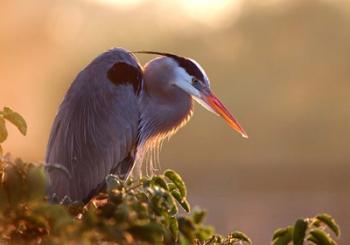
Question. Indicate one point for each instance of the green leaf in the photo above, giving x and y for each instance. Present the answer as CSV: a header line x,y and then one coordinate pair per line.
x,y
186,205
204,233
57,214
170,203
183,240
240,236
13,185
283,236
216,239
38,221
311,239
173,210
300,228
159,181
320,237
198,215
330,222
174,228
156,205
177,180
16,119
3,130
279,232
151,232
171,186
36,182
182,201
187,228
122,213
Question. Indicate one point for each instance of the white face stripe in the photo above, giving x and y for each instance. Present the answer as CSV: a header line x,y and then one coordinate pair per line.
x,y
184,81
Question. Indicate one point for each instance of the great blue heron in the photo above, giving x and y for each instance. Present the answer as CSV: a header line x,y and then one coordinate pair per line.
x,y
115,111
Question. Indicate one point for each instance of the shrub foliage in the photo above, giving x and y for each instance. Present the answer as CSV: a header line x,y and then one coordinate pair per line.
x,y
150,210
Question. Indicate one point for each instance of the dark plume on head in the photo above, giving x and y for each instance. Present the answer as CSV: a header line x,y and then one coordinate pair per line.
x,y
187,64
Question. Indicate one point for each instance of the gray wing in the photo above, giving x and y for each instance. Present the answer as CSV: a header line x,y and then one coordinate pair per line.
x,y
95,130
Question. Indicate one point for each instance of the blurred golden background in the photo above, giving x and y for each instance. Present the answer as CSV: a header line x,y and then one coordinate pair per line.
x,y
282,67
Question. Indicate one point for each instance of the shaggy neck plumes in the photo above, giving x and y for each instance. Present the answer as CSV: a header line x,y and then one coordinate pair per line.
x,y
165,108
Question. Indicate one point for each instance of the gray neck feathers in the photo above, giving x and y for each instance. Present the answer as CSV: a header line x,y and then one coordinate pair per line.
x,y
164,107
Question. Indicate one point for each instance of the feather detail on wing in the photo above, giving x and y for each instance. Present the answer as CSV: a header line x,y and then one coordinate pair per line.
x,y
95,129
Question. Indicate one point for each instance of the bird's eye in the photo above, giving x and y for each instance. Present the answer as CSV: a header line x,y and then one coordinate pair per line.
x,y
195,81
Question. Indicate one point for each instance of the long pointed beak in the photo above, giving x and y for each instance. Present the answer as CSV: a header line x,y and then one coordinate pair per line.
x,y
215,104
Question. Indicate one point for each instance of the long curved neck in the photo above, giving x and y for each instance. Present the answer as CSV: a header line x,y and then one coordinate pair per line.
x,y
162,117
164,107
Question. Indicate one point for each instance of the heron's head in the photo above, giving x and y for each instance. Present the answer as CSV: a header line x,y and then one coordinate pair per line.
x,y
192,79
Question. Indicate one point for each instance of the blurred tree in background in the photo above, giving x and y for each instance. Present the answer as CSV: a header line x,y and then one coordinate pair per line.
x,y
282,67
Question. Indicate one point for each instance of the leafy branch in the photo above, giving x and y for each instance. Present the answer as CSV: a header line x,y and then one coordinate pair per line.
x,y
13,117
143,210
308,231
137,211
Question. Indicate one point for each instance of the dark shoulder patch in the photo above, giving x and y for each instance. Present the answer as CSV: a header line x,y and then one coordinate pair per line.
x,y
190,67
123,73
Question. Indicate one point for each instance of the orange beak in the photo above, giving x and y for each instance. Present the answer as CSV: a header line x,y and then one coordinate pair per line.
x,y
214,103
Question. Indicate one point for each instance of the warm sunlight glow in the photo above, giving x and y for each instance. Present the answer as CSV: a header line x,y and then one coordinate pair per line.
x,y
209,10
126,3
206,11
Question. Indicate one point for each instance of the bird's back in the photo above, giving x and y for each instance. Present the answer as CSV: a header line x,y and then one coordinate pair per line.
x,y
95,130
